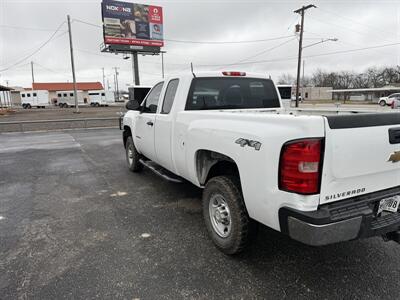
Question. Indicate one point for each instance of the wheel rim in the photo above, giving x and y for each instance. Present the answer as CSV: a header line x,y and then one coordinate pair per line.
x,y
130,153
220,215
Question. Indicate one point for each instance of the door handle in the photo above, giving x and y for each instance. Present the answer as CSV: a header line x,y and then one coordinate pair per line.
x,y
150,123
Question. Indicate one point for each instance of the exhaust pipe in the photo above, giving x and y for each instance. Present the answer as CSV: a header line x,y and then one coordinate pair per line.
x,y
392,236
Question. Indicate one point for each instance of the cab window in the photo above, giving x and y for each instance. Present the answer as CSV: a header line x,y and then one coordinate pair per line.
x,y
169,96
151,103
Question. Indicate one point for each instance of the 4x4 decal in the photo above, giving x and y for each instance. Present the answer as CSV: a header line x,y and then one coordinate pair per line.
x,y
245,142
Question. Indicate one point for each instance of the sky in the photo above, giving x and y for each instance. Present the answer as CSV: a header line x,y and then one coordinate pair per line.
x,y
199,32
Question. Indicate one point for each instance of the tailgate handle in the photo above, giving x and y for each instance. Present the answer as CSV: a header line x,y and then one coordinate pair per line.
x,y
394,135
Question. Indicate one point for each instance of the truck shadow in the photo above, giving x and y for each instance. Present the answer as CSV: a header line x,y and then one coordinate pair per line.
x,y
344,270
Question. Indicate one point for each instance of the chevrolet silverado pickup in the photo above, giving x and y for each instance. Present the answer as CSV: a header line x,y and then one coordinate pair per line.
x,y
320,177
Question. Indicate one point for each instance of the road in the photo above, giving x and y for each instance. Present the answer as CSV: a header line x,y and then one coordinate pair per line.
x,y
76,224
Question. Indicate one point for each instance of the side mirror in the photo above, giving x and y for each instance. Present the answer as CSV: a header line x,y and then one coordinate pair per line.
x,y
132,105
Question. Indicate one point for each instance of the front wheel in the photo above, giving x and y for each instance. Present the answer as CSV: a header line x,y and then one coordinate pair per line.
x,y
382,103
227,221
132,156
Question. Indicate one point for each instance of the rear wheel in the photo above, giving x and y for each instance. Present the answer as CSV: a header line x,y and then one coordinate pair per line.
x,y
225,215
97,104
132,156
29,106
382,103
23,106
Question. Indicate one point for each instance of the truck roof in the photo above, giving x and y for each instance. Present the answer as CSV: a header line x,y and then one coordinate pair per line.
x,y
218,74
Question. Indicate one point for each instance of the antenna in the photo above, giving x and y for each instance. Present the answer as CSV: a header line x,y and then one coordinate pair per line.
x,y
191,68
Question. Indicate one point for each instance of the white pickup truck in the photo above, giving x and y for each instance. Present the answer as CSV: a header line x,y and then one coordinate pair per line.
x,y
320,178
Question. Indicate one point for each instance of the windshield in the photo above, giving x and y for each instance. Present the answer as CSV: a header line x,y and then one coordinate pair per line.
x,y
231,93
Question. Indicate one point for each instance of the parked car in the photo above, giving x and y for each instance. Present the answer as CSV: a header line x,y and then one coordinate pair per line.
x,y
396,104
312,177
387,101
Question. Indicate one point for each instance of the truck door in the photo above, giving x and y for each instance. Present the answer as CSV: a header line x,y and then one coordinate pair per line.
x,y
144,128
163,127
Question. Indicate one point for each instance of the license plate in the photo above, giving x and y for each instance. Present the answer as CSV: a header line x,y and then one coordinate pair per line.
x,y
389,204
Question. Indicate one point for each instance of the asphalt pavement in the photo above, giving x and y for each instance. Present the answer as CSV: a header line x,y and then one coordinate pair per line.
x,y
76,224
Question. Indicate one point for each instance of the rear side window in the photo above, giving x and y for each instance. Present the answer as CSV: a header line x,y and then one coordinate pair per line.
x,y
65,95
23,95
71,94
169,96
152,99
231,93
34,94
28,95
58,95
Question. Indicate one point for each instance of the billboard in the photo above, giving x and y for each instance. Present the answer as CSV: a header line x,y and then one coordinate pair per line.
x,y
132,24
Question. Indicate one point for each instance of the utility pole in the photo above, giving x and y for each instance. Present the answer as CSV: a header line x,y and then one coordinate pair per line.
x,y
300,11
302,82
162,64
116,82
33,76
104,79
135,62
72,64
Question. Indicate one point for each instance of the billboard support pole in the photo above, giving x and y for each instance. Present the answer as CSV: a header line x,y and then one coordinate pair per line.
x,y
116,82
72,64
136,67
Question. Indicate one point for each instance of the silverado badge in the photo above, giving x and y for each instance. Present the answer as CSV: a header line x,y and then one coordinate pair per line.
x,y
395,157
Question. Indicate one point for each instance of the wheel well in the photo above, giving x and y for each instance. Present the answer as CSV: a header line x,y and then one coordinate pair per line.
x,y
210,164
127,133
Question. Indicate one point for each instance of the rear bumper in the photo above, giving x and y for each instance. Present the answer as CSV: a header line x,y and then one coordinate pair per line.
x,y
345,220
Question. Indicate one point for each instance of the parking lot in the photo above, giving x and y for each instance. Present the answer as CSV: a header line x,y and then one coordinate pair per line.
x,y
75,223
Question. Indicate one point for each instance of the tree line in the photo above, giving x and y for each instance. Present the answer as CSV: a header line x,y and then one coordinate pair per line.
x,y
371,78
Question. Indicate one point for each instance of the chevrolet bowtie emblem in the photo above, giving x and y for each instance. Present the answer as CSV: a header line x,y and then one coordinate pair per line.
x,y
395,157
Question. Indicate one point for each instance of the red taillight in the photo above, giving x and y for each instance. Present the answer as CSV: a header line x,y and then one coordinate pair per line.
x,y
234,73
300,166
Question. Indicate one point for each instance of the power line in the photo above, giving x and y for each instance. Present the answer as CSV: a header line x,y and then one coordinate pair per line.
x,y
202,42
260,53
307,56
87,23
26,28
116,57
48,69
36,51
227,42
353,21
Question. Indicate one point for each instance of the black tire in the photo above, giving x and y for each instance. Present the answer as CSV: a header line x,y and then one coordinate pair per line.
x,y
242,228
133,162
23,106
29,106
382,103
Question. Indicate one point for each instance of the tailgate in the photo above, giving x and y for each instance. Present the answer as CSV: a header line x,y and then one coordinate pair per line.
x,y
362,155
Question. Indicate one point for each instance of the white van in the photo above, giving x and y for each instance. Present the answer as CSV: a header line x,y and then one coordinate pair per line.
x,y
67,99
101,98
38,98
